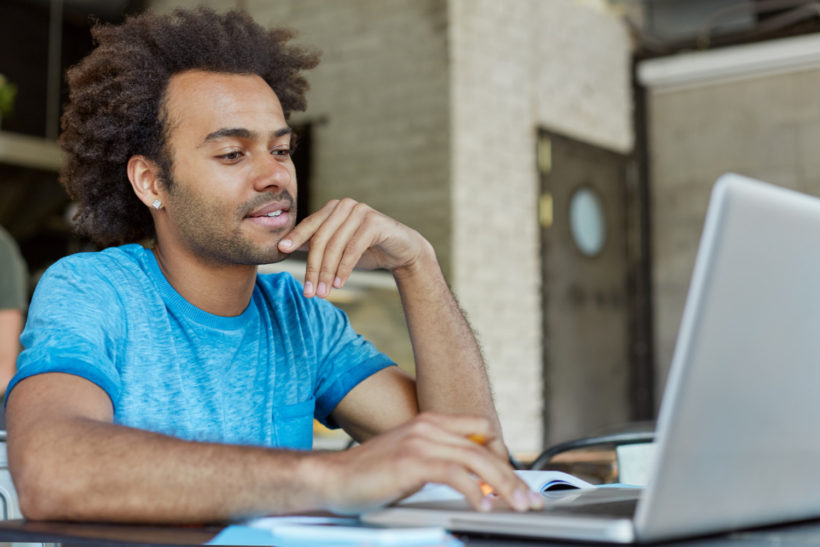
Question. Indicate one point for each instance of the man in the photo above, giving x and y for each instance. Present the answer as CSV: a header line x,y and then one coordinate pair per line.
x,y
173,383
12,304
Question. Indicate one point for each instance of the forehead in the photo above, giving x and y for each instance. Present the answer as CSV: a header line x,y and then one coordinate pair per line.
x,y
198,103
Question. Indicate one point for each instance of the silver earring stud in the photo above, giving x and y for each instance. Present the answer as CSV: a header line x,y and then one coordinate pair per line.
x,y
156,204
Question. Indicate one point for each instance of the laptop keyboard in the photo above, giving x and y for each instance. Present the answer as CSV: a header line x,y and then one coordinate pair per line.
x,y
609,502
603,502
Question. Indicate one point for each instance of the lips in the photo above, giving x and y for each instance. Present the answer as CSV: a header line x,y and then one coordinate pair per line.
x,y
273,216
271,210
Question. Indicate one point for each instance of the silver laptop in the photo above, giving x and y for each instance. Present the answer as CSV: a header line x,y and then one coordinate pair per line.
x,y
738,434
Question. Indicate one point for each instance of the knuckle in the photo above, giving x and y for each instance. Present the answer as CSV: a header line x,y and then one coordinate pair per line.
x,y
422,425
331,246
319,239
474,452
361,208
417,437
349,203
353,250
452,470
413,446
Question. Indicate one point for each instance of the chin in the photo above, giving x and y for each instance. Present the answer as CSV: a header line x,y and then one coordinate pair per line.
x,y
270,255
251,257
275,257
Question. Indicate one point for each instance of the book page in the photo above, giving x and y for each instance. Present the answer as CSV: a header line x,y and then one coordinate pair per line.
x,y
538,481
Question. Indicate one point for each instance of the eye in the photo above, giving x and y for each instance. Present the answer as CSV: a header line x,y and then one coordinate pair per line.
x,y
282,152
232,156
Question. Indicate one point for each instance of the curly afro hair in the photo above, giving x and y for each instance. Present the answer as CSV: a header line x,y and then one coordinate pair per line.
x,y
116,98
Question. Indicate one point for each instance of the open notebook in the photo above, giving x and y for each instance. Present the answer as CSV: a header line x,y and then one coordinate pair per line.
x,y
737,435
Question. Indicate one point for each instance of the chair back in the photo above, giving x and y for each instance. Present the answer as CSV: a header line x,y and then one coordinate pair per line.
x,y
9,506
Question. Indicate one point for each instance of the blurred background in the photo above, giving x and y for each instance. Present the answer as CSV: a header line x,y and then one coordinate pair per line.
x,y
559,155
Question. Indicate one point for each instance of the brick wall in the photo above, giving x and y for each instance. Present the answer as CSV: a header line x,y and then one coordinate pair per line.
x,y
517,66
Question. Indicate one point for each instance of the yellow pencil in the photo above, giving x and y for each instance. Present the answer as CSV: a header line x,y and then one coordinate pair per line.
x,y
478,438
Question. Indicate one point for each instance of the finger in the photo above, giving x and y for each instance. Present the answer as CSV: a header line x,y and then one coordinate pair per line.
x,y
461,480
496,445
365,237
498,477
477,459
318,241
424,458
336,250
498,448
300,235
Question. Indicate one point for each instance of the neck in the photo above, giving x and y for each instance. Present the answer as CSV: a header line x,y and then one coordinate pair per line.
x,y
219,289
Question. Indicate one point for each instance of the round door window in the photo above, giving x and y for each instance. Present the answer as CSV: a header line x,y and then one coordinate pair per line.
x,y
587,221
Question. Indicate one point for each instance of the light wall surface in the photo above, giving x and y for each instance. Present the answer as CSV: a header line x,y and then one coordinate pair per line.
x,y
562,65
751,109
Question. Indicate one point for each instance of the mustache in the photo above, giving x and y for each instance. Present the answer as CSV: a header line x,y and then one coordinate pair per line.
x,y
263,200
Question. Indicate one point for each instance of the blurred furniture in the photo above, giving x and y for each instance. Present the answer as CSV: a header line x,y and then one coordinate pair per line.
x,y
9,507
620,455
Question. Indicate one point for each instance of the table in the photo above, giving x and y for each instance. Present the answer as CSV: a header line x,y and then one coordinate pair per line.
x,y
89,534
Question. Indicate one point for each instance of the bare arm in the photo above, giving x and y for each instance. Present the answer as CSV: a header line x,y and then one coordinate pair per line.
x,y
451,375
11,324
70,462
450,372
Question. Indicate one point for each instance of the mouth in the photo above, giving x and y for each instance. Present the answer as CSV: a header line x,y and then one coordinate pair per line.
x,y
271,210
272,216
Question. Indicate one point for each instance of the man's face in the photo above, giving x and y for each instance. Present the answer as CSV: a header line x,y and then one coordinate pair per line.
x,y
232,196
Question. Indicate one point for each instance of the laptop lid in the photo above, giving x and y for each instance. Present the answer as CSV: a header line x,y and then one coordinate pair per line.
x,y
737,437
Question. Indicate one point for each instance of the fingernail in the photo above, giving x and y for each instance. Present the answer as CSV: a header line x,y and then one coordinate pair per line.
x,y
321,289
536,501
337,282
486,505
286,244
308,288
520,501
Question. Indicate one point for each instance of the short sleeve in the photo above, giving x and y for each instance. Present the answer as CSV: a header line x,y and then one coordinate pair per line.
x,y
345,359
75,324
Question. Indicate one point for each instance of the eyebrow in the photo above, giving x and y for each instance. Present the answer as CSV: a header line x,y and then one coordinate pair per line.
x,y
242,133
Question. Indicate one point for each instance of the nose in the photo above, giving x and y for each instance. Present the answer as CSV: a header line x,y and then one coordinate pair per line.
x,y
273,173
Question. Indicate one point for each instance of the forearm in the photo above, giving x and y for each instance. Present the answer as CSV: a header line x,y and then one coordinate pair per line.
x,y
93,471
80,469
450,372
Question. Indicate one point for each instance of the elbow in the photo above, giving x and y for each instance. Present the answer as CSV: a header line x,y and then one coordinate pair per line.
x,y
38,494
31,506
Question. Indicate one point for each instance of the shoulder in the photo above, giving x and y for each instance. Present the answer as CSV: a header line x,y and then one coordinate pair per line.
x,y
8,247
100,263
13,274
101,273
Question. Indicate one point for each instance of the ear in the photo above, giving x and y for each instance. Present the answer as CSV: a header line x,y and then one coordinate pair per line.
x,y
144,176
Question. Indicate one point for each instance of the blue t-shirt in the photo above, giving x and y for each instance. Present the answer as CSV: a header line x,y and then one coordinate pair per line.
x,y
258,378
